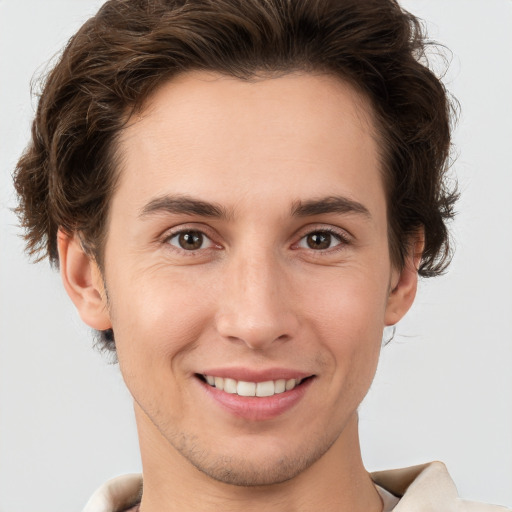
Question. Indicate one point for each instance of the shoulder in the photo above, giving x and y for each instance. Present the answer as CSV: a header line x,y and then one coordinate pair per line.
x,y
428,488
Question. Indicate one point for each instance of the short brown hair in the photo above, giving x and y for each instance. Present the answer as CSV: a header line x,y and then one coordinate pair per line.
x,y
67,174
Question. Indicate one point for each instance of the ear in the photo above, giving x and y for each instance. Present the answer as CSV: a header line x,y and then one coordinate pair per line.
x,y
83,282
404,283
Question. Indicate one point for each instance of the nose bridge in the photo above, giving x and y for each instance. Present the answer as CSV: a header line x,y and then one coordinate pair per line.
x,y
254,306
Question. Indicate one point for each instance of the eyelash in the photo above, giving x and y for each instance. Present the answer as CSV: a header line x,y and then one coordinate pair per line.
x,y
343,239
201,231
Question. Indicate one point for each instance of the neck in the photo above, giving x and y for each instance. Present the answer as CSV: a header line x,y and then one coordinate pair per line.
x,y
337,482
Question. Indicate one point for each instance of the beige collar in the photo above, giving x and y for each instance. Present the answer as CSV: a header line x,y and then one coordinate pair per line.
x,y
427,488
422,488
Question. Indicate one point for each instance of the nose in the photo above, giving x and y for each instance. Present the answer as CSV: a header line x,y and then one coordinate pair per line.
x,y
255,306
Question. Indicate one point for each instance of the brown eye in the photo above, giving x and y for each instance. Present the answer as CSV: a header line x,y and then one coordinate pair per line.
x,y
190,240
320,240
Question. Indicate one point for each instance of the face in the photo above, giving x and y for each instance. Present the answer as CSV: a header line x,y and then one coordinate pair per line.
x,y
248,272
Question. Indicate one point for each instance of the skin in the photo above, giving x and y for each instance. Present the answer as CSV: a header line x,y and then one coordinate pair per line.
x,y
257,294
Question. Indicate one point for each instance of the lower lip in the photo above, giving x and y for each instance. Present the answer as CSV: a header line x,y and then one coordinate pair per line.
x,y
258,408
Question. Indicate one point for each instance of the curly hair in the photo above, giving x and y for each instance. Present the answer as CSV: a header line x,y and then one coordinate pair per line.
x,y
67,175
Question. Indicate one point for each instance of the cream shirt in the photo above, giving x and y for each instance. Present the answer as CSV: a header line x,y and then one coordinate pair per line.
x,y
389,501
426,488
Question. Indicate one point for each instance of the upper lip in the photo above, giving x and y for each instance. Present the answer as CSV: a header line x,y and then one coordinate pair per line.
x,y
253,375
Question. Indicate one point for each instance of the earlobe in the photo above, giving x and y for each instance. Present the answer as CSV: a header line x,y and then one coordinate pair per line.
x,y
404,286
83,282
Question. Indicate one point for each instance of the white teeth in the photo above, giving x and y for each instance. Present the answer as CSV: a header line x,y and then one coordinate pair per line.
x,y
246,388
290,384
219,382
230,386
243,388
280,386
265,388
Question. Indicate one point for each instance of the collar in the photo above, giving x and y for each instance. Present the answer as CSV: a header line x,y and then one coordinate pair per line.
x,y
424,488
427,488
116,495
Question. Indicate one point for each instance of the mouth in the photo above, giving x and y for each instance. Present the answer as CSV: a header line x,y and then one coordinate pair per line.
x,y
255,395
243,388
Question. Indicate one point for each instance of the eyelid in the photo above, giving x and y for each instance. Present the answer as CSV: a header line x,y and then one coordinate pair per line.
x,y
170,233
342,235
205,239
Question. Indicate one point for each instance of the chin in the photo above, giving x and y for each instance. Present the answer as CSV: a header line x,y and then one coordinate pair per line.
x,y
256,467
243,473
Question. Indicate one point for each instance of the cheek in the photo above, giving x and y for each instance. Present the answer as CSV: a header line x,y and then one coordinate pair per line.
x,y
348,315
156,330
158,319
351,301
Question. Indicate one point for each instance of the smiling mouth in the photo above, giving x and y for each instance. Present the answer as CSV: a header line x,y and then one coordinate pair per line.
x,y
252,389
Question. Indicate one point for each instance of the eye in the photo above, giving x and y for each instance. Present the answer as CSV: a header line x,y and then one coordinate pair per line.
x,y
320,240
190,240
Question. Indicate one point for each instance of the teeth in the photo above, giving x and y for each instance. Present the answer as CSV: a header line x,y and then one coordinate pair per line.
x,y
280,386
219,382
265,388
290,384
230,386
246,388
243,388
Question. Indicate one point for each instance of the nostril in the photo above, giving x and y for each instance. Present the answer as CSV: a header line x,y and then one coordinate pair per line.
x,y
259,326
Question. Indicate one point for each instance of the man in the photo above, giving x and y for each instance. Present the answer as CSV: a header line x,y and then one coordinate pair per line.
x,y
240,196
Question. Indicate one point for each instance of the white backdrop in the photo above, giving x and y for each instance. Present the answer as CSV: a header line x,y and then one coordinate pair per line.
x,y
444,386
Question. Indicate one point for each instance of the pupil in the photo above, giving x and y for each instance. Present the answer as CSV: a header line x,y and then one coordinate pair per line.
x,y
319,240
191,240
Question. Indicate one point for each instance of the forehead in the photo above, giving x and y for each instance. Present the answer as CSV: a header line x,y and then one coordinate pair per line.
x,y
206,134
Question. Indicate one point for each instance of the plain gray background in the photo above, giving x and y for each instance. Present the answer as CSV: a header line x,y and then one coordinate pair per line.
x,y
444,386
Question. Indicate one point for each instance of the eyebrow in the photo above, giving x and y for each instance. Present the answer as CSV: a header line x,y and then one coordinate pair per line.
x,y
184,205
330,204
180,204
